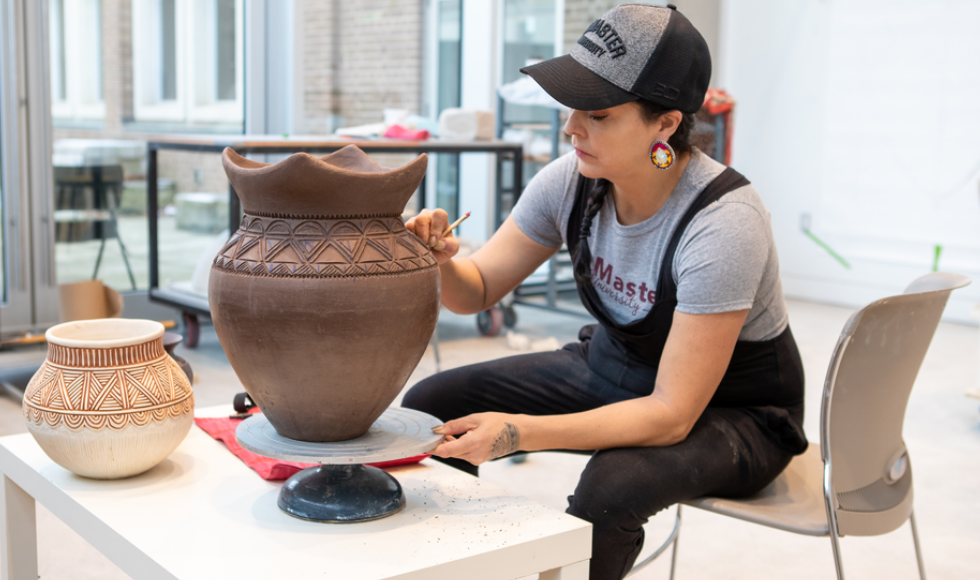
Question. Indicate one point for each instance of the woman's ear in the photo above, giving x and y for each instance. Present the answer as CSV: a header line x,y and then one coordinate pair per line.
x,y
669,122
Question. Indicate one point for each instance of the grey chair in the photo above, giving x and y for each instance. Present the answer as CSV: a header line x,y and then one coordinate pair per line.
x,y
858,481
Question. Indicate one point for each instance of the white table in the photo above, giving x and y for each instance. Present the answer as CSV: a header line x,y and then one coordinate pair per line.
x,y
203,514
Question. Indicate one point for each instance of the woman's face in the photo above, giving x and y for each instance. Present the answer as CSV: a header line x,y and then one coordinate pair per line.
x,y
615,143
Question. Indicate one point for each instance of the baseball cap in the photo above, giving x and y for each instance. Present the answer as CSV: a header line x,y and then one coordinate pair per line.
x,y
633,51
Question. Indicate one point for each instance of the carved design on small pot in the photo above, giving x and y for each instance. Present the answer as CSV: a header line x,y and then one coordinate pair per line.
x,y
323,248
108,402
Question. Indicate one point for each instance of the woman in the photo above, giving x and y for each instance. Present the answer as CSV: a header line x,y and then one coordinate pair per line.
x,y
691,383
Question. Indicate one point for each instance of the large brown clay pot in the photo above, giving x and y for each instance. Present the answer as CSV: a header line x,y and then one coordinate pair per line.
x,y
323,301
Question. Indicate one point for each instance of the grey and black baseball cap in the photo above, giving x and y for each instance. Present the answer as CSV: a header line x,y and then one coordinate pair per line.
x,y
634,51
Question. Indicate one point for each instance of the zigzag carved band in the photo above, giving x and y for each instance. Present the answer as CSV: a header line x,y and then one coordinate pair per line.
x,y
323,248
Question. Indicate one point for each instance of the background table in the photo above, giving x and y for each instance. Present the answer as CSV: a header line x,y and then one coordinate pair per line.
x,y
202,514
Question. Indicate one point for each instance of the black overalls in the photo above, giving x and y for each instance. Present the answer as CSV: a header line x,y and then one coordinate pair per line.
x,y
743,440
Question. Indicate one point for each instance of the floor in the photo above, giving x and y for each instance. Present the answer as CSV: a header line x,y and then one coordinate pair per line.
x,y
179,252
942,431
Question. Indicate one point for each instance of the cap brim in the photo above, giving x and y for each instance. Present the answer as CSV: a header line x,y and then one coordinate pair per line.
x,y
575,86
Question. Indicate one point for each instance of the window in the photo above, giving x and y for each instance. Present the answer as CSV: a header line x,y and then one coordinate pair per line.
x,y
75,33
529,35
187,62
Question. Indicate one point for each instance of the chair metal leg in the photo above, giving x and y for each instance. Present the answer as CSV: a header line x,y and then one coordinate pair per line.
x,y
677,539
672,539
828,497
115,227
918,551
835,543
125,257
98,260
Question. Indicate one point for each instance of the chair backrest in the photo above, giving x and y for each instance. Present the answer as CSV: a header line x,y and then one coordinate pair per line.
x,y
868,476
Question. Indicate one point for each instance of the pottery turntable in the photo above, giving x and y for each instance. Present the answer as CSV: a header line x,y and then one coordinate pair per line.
x,y
342,489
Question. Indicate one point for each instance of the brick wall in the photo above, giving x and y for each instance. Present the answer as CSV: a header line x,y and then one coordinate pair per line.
x,y
318,102
380,63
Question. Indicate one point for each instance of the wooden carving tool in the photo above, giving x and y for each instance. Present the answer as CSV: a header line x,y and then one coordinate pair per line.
x,y
455,223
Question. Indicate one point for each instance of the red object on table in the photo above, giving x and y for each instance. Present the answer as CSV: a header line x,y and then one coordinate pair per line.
x,y
223,429
399,132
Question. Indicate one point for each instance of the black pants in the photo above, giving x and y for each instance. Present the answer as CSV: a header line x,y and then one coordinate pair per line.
x,y
726,454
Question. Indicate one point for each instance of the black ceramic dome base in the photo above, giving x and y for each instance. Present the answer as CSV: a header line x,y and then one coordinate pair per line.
x,y
340,494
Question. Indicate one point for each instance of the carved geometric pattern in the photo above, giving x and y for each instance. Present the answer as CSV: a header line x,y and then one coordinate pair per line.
x,y
323,248
107,396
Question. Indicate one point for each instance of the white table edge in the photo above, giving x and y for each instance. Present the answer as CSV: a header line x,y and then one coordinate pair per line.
x,y
113,545
21,486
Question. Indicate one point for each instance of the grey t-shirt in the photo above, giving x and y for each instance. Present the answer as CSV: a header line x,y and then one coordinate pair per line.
x,y
726,259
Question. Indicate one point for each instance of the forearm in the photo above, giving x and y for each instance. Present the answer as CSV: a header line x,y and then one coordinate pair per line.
x,y
463,290
644,422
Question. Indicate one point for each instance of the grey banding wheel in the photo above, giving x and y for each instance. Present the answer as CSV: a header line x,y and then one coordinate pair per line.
x,y
341,489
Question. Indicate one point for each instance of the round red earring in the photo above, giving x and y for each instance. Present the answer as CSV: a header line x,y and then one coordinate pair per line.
x,y
662,154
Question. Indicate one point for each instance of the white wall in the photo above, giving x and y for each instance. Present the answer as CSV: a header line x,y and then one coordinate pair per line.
x,y
860,114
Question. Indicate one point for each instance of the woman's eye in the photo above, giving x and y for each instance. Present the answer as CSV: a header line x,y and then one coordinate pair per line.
x,y
597,117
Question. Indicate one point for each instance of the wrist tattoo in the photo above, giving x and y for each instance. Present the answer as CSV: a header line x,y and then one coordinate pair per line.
x,y
508,441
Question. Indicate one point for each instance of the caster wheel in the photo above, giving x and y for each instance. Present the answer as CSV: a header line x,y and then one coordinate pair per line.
x,y
192,328
510,316
490,322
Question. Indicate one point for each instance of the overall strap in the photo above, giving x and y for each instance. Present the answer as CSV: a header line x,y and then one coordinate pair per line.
x,y
578,249
729,180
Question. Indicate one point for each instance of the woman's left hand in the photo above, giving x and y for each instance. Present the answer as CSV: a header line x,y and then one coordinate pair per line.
x,y
488,436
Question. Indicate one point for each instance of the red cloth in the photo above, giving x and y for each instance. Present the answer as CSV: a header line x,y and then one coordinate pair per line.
x,y
223,429
399,132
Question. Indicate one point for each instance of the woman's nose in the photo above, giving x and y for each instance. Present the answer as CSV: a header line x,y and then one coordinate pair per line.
x,y
573,126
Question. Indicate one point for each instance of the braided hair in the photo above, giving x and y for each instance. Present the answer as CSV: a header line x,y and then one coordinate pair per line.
x,y
680,141
597,197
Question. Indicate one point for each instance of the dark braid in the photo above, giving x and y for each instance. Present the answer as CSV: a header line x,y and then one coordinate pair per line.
x,y
597,196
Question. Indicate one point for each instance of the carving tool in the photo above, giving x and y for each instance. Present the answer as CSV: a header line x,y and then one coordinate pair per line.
x,y
455,223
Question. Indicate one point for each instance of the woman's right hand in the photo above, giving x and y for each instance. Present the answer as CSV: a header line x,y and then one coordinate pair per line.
x,y
428,227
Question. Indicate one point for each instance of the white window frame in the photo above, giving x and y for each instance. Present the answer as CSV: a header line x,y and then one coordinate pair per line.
x,y
83,60
196,59
32,291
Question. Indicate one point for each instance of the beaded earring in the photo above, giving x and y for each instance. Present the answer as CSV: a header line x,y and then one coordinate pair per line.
x,y
662,154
